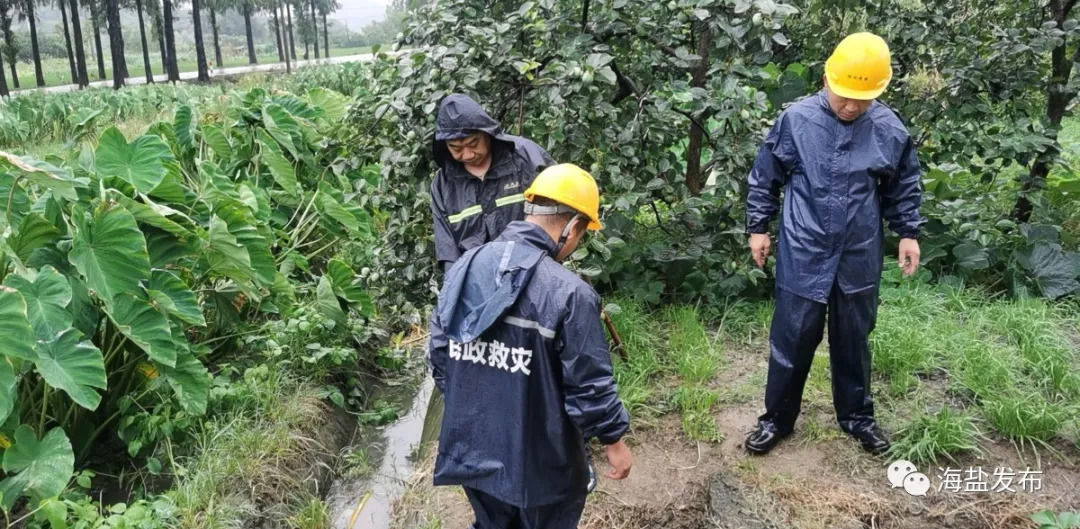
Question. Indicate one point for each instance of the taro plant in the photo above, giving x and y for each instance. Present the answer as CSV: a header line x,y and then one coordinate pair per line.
x,y
124,268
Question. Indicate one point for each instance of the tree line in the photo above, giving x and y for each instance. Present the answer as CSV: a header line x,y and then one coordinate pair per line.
x,y
311,23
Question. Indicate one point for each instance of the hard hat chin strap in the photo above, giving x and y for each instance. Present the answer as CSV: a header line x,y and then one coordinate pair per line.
x,y
537,210
565,234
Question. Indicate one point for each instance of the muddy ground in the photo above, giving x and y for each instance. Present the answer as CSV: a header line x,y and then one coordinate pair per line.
x,y
817,478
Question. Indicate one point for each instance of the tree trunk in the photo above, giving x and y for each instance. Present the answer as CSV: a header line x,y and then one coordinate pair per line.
x,y
277,35
145,49
67,43
80,53
1057,100
38,75
247,30
9,43
116,43
95,22
284,36
162,49
325,36
217,44
170,40
292,39
3,79
200,49
315,27
307,48
699,75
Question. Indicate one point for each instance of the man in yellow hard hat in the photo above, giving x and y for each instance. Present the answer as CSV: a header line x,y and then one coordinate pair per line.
x,y
844,162
518,351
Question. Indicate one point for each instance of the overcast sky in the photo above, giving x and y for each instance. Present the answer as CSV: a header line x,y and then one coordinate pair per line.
x,y
357,13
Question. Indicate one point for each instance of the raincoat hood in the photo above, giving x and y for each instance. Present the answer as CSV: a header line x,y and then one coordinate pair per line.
x,y
460,116
485,284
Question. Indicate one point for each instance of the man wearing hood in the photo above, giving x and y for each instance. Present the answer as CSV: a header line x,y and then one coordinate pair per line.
x,y
482,172
518,351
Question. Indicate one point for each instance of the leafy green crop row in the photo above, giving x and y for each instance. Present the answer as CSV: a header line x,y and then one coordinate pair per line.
x,y
124,266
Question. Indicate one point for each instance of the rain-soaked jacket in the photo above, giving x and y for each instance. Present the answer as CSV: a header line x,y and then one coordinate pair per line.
x,y
469,211
519,353
839,179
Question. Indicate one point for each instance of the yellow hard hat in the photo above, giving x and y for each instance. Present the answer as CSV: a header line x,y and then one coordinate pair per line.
x,y
569,185
860,67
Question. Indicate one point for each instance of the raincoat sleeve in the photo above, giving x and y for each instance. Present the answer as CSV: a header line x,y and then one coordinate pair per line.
x,y
591,397
446,248
767,177
437,353
901,194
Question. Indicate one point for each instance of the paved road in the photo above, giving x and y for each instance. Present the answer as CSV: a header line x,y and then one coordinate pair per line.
x,y
214,72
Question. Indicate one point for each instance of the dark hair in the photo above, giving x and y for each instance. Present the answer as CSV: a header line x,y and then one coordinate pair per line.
x,y
561,218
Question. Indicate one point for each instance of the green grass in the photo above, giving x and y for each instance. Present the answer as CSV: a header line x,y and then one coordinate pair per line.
x,y
697,359
929,437
254,461
637,372
1011,362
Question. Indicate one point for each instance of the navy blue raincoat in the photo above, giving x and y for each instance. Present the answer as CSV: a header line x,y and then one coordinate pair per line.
x,y
469,211
518,350
839,179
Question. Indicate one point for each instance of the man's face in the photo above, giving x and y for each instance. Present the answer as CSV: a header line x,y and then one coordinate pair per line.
x,y
473,149
847,109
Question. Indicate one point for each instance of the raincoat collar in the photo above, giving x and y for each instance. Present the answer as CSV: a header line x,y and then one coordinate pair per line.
x,y
530,234
823,101
486,281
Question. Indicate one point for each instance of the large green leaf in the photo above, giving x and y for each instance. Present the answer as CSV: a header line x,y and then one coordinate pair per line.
x,y
172,189
140,163
110,251
76,367
43,466
41,174
190,381
332,208
142,324
217,140
328,303
242,225
85,315
152,215
170,292
1053,269
47,295
184,127
35,231
971,256
15,200
348,287
7,388
225,255
330,102
16,334
282,126
280,167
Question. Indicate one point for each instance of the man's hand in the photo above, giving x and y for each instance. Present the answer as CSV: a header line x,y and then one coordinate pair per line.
x,y
759,248
908,256
618,456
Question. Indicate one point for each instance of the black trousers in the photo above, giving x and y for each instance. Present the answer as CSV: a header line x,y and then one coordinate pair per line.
x,y
492,513
795,333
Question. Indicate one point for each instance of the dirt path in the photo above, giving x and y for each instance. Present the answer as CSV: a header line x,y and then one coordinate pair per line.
x,y
816,479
